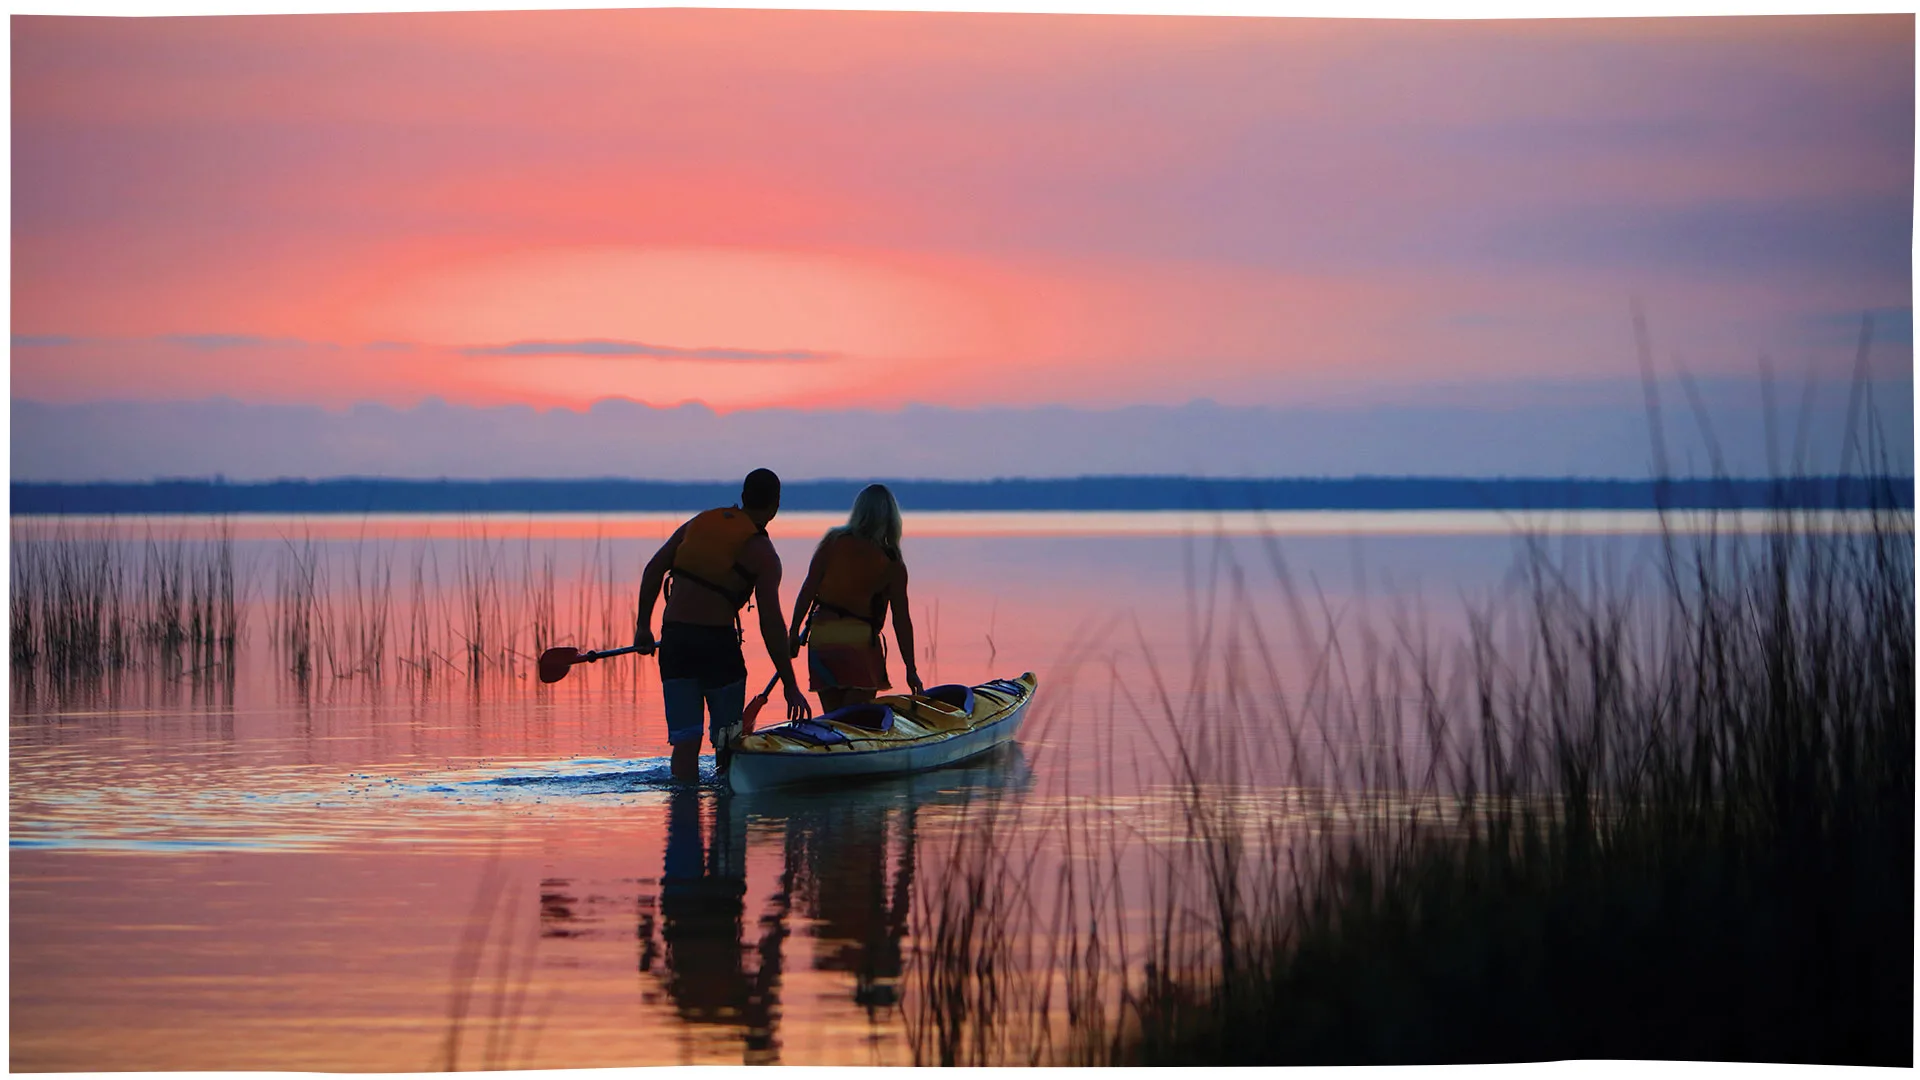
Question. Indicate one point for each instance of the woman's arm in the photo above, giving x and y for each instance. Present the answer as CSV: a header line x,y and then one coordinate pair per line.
x,y
903,628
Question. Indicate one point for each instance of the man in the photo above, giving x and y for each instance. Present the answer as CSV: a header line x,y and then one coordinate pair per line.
x,y
719,560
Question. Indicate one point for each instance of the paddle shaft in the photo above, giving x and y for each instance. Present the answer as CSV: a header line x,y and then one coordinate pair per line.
x,y
752,711
590,657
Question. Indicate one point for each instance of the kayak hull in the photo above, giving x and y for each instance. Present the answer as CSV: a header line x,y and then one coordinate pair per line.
x,y
925,735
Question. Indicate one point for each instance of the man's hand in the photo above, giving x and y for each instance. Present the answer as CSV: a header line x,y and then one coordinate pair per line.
x,y
798,708
643,639
793,645
914,684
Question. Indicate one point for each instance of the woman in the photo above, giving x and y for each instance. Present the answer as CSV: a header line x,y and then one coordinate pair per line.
x,y
856,575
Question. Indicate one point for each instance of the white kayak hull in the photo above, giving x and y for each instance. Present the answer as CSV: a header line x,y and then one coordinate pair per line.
x,y
752,770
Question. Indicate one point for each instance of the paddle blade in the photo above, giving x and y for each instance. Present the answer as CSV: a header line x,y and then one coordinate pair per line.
x,y
750,713
556,662
753,708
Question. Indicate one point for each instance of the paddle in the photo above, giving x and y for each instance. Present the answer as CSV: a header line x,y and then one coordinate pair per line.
x,y
748,714
556,662
753,708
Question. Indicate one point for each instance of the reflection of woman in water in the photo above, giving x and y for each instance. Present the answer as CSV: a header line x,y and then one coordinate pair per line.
x,y
702,901
857,574
861,915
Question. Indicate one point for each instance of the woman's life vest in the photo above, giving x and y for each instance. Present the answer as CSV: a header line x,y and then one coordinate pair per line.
x,y
853,581
709,553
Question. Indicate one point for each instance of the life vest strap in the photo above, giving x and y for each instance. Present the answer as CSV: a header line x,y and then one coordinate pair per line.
x,y
737,598
873,623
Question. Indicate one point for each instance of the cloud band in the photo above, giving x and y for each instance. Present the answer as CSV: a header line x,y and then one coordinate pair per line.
x,y
643,351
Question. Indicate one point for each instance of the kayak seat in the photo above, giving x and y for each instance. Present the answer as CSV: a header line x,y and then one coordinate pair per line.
x,y
954,695
867,716
809,731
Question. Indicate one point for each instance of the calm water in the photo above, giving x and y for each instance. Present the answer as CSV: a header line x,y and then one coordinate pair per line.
x,y
434,859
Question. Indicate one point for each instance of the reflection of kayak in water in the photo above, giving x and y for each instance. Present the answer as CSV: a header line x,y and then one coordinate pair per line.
x,y
887,736
1003,771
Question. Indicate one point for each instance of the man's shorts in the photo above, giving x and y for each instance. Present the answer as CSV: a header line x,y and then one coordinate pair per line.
x,y
701,667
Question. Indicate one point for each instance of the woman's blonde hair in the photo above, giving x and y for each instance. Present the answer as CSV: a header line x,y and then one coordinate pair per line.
x,y
875,518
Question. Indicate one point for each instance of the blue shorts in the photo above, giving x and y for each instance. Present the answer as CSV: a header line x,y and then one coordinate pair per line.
x,y
685,700
701,669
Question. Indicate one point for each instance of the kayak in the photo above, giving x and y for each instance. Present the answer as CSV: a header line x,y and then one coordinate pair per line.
x,y
1005,771
898,733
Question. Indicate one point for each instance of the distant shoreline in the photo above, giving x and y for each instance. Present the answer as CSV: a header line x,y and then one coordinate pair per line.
x,y
354,495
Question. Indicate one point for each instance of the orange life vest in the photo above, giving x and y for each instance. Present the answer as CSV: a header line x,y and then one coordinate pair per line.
x,y
709,553
854,579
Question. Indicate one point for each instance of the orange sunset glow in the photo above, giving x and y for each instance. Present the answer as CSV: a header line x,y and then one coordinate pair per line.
x,y
806,209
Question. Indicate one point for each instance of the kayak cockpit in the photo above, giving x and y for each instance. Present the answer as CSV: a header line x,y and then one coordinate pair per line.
x,y
953,695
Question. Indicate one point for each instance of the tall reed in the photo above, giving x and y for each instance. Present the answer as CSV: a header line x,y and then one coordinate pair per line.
x,y
294,620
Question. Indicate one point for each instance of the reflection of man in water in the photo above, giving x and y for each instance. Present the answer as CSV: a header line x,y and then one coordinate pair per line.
x,y
702,903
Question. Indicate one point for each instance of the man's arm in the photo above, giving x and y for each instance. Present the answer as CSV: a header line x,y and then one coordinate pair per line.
x,y
651,579
803,603
766,594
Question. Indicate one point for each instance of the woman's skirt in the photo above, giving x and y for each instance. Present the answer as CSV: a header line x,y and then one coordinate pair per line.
x,y
843,655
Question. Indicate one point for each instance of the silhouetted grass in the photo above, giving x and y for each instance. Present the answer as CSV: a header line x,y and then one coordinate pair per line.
x,y
83,608
1683,832
1666,814
89,604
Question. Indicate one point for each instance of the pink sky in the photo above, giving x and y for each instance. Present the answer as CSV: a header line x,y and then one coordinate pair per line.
x,y
816,209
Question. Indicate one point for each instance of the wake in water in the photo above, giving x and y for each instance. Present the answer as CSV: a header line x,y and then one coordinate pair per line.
x,y
579,778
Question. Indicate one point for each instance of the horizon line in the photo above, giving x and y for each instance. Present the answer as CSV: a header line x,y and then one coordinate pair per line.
x,y
220,479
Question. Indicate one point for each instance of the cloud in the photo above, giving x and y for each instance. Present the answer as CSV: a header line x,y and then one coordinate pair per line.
x,y
1834,238
1544,430
43,341
651,352
215,342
